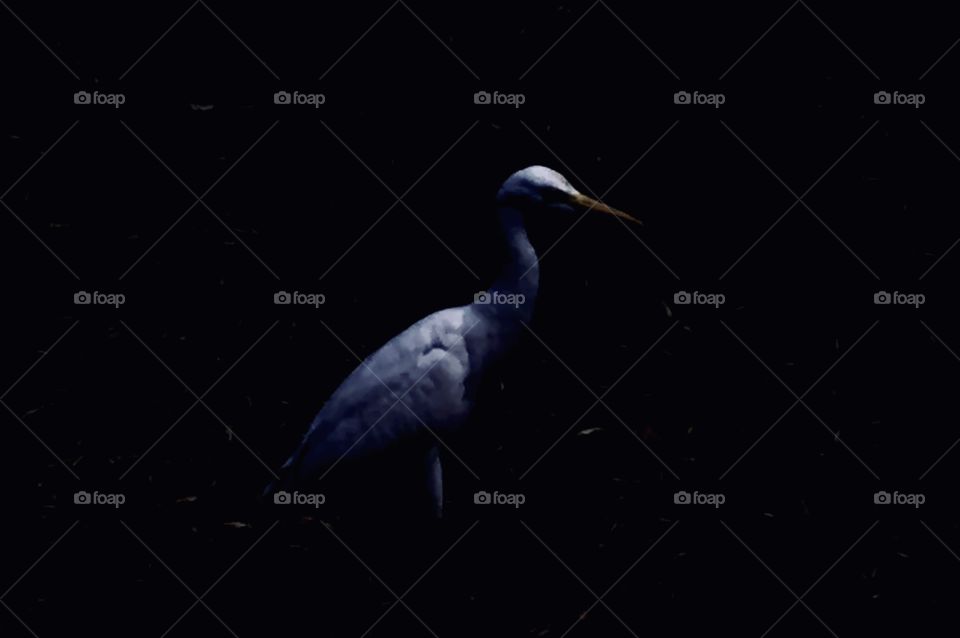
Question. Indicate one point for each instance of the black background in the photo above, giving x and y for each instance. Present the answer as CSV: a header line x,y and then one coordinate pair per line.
x,y
301,205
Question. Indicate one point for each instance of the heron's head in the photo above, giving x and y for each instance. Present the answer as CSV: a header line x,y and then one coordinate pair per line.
x,y
538,188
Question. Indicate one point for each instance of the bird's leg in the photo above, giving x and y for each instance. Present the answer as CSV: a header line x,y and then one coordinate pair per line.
x,y
434,475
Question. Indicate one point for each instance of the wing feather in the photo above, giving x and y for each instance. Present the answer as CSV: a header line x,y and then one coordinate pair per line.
x,y
426,366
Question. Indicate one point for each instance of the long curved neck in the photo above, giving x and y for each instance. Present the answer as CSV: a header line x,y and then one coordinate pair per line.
x,y
521,272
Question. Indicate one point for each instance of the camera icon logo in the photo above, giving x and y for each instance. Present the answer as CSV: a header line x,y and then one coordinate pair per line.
x,y
681,97
881,97
882,298
481,97
482,498
281,97
681,298
81,498
682,498
282,298
282,498
82,298
882,498
81,97
482,297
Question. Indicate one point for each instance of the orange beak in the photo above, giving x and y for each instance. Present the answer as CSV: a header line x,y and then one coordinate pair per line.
x,y
590,204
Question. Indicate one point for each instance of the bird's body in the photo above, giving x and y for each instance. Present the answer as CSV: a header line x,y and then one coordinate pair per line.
x,y
423,383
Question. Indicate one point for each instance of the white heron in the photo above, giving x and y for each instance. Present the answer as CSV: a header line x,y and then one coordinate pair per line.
x,y
422,383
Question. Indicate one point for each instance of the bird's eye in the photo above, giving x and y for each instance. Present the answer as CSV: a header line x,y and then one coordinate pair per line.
x,y
553,195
